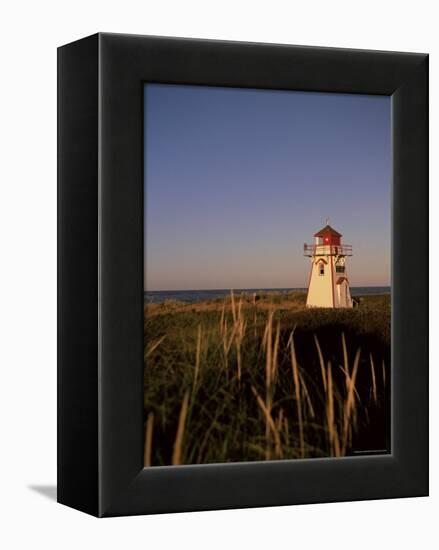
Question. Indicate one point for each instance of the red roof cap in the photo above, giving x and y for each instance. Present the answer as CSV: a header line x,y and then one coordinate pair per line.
x,y
327,230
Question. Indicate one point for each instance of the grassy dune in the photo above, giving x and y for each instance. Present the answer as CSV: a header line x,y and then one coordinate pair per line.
x,y
258,378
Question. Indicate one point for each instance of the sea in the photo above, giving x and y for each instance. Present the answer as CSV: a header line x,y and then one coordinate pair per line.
x,y
191,296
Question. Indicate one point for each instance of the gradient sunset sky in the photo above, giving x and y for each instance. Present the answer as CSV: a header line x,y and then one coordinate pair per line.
x,y
236,180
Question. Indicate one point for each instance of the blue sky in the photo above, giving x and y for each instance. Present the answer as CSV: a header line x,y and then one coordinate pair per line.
x,y
236,180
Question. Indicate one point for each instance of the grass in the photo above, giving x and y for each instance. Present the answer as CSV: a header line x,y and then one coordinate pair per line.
x,y
262,377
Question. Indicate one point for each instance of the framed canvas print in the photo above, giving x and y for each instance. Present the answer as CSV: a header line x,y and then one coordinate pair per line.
x,y
243,275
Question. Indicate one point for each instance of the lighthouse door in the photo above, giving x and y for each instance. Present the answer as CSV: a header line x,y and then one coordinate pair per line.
x,y
343,293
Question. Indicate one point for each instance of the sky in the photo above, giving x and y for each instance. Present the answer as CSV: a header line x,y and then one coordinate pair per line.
x,y
237,180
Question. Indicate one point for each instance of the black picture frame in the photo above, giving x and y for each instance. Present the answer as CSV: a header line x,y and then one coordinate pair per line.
x,y
100,275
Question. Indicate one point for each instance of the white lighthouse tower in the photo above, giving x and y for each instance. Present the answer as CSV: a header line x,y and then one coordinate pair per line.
x,y
328,280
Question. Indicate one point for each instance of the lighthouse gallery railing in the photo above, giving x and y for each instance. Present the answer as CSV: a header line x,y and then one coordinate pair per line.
x,y
327,250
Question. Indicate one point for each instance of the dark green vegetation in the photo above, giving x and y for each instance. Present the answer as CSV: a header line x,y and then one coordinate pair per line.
x,y
258,378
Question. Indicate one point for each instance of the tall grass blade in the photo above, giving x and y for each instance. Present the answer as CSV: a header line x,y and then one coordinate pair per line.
x,y
330,414
345,358
148,440
197,358
176,455
153,347
372,370
268,368
270,423
232,300
322,363
223,311
298,396
350,401
307,396
275,353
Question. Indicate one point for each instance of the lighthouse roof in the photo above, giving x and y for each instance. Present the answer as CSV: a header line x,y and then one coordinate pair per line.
x,y
327,230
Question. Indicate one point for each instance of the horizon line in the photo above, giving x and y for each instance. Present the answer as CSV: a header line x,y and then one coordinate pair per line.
x,y
250,288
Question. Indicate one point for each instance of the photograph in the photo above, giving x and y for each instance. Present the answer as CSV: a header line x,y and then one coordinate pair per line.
x,y
219,305
267,274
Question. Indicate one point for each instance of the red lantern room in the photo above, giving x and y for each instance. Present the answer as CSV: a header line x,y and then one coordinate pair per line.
x,y
327,241
328,236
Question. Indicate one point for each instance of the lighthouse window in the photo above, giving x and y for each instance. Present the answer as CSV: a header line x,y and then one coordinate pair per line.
x,y
321,269
339,268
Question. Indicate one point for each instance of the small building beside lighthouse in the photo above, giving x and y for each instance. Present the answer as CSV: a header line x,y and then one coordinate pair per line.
x,y
328,279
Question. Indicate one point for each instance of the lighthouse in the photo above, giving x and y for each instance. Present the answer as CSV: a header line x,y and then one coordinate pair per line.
x,y
328,279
